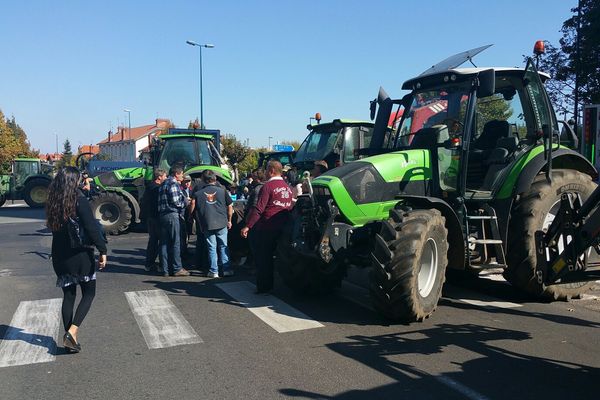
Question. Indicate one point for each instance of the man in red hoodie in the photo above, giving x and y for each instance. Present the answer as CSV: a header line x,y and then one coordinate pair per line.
x,y
267,219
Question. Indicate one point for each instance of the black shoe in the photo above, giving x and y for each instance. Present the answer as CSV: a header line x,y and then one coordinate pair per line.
x,y
70,344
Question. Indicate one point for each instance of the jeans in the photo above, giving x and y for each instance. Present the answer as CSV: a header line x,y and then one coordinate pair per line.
x,y
170,256
152,249
216,240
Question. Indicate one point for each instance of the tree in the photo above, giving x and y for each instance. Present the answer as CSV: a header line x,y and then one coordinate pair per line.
x,y
13,143
195,124
67,155
566,64
234,151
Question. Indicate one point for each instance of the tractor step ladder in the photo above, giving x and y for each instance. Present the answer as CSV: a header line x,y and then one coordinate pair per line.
x,y
495,240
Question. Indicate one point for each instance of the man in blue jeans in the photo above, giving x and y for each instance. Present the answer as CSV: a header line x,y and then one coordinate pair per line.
x,y
213,209
170,204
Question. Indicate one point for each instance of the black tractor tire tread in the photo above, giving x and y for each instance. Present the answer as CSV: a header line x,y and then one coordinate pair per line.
x,y
526,218
124,221
2,199
29,187
303,274
395,269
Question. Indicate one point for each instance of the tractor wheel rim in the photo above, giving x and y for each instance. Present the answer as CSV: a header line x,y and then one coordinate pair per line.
x,y
429,268
548,221
107,213
39,194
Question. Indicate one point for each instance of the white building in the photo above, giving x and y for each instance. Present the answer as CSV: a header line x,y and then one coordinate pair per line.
x,y
125,145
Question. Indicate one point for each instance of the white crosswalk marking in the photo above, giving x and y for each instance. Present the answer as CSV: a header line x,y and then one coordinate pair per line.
x,y
161,323
277,314
32,334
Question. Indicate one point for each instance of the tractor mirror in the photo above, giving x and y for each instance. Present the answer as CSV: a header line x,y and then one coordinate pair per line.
x,y
487,83
373,108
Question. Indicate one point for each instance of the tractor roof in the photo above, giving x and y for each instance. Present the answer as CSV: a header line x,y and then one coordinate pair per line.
x,y
339,123
461,74
26,159
188,135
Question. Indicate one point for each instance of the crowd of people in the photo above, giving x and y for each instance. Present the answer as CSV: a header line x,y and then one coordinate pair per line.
x,y
173,209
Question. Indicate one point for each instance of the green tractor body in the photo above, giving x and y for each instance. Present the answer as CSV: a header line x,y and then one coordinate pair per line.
x,y
29,181
465,188
117,194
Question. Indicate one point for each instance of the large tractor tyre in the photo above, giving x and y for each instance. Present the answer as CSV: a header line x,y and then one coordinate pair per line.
x,y
306,275
2,199
409,258
535,211
35,192
113,212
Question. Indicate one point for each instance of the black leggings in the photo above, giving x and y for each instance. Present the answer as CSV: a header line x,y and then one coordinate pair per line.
x,y
88,291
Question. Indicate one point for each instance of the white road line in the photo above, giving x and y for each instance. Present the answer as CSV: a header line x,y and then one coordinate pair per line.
x,y
13,220
5,272
462,389
489,303
32,334
161,323
274,312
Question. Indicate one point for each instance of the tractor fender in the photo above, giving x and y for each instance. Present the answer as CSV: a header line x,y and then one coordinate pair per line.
x,y
37,176
132,200
561,159
456,241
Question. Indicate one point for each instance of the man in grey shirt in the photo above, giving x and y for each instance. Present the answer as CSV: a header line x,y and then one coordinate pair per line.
x,y
213,209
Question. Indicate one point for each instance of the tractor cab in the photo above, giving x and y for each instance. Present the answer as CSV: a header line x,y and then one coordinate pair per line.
x,y
336,142
29,180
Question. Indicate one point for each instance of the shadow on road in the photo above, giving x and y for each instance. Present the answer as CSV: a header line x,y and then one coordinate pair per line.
x,y
490,373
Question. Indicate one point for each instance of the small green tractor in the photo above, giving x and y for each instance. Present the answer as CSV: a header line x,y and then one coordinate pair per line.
x,y
29,181
469,185
116,194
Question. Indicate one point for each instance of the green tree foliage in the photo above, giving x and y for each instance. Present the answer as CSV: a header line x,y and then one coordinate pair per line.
x,y
294,143
67,155
13,143
564,63
234,151
492,107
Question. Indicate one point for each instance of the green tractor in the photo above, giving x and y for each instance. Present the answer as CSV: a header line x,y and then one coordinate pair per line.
x,y
467,188
29,181
116,194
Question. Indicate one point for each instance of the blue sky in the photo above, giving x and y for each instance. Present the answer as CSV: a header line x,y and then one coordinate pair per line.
x,y
69,68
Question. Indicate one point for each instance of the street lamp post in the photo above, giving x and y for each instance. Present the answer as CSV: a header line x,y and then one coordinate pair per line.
x,y
200,46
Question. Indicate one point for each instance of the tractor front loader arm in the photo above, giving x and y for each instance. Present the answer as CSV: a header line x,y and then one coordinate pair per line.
x,y
575,230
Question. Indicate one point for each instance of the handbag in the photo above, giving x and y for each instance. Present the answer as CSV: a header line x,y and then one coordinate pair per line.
x,y
76,233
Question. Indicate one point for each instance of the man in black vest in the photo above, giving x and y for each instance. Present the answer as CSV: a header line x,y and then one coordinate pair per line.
x,y
149,211
214,210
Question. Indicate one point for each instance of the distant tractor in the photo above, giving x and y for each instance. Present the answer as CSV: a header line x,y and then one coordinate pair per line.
x,y
29,180
116,194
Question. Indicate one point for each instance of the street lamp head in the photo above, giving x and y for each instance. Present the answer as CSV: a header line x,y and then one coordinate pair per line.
x,y
191,43
126,110
209,46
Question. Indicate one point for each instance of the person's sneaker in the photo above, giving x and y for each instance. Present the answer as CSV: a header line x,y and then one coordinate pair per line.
x,y
228,273
164,273
182,272
212,275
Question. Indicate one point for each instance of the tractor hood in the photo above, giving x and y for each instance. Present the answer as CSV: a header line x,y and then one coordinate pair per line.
x,y
365,188
222,173
118,177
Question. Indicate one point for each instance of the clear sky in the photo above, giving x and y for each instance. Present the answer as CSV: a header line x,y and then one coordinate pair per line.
x,y
69,68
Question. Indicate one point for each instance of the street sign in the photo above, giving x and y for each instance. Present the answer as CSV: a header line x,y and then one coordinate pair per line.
x,y
283,147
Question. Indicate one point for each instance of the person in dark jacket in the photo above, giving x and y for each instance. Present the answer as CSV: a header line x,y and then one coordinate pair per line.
x,y
73,266
268,218
149,213
257,182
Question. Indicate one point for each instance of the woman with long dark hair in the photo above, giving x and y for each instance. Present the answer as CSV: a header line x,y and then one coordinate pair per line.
x,y
73,265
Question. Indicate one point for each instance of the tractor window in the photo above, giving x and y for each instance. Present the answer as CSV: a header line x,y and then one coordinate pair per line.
x,y
542,111
505,106
317,145
185,151
444,106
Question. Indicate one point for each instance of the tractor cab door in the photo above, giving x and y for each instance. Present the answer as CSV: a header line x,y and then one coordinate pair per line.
x,y
22,170
545,123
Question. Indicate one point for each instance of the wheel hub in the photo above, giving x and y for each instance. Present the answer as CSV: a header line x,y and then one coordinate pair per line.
x,y
429,267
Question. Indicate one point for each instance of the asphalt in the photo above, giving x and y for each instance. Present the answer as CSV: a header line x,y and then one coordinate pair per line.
x,y
517,348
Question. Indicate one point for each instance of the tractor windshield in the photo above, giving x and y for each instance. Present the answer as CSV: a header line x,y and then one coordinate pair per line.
x,y
435,106
317,145
188,152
